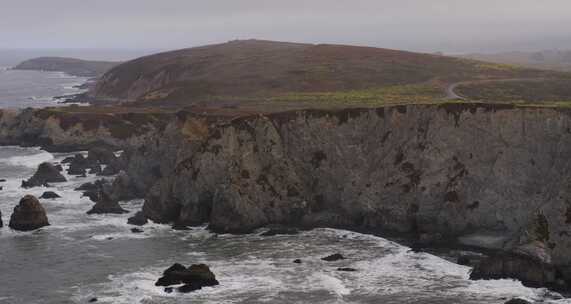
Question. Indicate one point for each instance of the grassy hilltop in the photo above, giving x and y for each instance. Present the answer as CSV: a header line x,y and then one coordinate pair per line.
x,y
270,76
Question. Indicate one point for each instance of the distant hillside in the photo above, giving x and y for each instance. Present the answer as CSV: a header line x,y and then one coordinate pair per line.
x,y
238,72
72,66
549,59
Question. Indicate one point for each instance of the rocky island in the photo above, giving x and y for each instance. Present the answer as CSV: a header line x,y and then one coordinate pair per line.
x,y
253,133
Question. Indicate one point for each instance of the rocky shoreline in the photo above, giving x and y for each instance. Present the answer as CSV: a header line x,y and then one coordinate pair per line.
x,y
492,177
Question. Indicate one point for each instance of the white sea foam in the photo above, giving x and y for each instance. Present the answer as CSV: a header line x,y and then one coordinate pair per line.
x,y
30,161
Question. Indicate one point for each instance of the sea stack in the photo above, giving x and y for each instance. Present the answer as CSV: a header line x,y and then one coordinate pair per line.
x,y
46,173
28,215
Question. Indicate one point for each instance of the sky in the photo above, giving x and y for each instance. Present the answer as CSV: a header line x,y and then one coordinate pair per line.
x,y
450,26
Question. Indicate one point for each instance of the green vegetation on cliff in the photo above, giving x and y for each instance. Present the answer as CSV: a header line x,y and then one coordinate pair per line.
x,y
256,73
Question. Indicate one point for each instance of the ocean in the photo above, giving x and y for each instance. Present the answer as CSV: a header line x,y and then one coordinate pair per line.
x,y
80,257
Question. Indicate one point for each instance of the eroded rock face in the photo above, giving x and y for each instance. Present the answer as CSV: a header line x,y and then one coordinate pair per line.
x,y
47,173
28,215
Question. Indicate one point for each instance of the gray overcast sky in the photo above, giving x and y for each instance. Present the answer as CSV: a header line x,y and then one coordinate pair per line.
x,y
421,25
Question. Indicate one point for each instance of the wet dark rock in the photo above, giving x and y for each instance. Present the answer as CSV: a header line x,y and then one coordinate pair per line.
x,y
517,301
101,155
139,219
112,168
98,184
93,195
136,230
334,257
28,215
95,169
1,223
180,227
169,289
50,195
280,230
59,168
106,205
46,173
194,277
297,261
79,165
122,188
2,180
463,260
531,272
348,269
67,160
92,300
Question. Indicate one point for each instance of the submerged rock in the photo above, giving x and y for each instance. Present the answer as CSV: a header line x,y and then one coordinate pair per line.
x,y
333,257
139,219
194,277
348,269
28,215
50,195
106,205
297,261
46,173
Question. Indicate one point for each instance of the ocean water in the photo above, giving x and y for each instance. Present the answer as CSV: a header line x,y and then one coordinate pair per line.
x,y
21,89
83,256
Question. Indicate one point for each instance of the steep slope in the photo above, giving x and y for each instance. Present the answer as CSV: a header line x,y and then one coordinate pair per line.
x,y
72,66
254,70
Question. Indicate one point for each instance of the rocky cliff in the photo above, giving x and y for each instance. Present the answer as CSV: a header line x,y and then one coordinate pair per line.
x,y
486,175
73,129
71,66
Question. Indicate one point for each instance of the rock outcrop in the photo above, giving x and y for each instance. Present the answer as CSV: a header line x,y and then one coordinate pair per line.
x,y
50,195
194,277
28,215
138,219
47,173
481,172
106,205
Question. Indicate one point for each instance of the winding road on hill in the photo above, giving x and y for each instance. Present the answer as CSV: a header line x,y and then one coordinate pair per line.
x,y
451,93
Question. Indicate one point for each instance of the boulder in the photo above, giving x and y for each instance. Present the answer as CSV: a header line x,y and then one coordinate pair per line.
x,y
531,272
101,155
50,195
106,205
139,219
46,173
333,257
28,215
194,277
280,230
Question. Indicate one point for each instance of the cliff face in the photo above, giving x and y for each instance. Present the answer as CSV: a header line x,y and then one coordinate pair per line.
x,y
58,131
491,176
